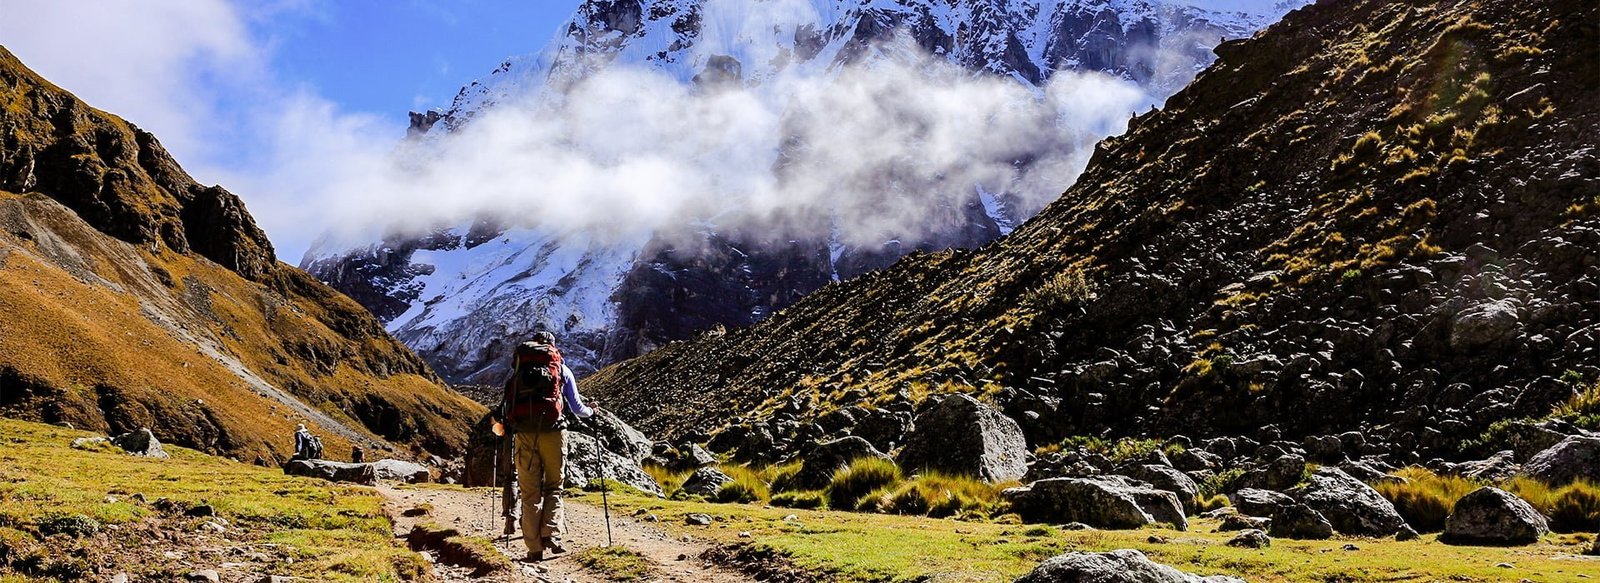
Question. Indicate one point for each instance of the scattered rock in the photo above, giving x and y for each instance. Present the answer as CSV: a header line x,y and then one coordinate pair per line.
x,y
1352,507
1484,324
1103,501
697,519
333,471
140,442
1250,539
1258,502
206,575
1170,479
1575,457
1282,473
705,482
1493,516
401,471
1241,522
1497,468
1298,521
961,436
1126,565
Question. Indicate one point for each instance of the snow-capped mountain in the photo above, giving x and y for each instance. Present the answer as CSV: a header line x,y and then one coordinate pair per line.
x,y
460,294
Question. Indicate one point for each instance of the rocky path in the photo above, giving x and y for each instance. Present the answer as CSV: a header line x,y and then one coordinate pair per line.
x,y
476,513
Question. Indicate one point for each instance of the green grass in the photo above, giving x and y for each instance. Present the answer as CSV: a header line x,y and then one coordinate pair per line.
x,y
617,563
862,477
1425,499
333,533
940,495
863,547
804,499
748,485
669,480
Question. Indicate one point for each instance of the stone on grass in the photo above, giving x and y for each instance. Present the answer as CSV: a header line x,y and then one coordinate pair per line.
x,y
1298,521
1573,458
1493,516
1250,539
1125,565
1102,502
333,471
1258,502
1351,506
964,437
705,482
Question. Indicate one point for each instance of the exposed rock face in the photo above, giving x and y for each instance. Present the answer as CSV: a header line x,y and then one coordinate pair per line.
x,y
364,474
819,465
614,434
678,284
141,442
1493,516
1167,478
1120,566
1351,506
587,461
1299,521
1575,457
705,482
401,471
1236,305
965,437
135,297
1101,502
1256,502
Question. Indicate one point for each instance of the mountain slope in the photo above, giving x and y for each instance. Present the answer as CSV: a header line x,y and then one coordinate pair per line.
x,y
135,297
451,292
1371,216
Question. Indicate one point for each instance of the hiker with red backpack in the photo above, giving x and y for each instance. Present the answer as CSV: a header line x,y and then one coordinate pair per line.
x,y
539,395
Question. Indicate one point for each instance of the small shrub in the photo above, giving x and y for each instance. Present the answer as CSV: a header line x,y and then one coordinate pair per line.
x,y
801,499
73,525
1066,288
1424,498
858,479
1213,502
669,480
1039,530
781,477
1220,482
747,485
1575,508
939,495
1583,409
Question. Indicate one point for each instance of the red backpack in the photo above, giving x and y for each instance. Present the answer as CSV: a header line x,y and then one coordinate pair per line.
x,y
533,395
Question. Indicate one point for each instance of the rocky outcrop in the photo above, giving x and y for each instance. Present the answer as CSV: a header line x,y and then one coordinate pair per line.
x,y
1351,506
1125,565
1495,517
961,436
705,482
588,461
1101,502
1576,457
364,474
401,471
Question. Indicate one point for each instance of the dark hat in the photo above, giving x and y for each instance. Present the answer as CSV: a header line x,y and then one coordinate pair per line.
x,y
544,337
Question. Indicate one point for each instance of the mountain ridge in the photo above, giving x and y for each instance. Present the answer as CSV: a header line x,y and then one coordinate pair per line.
x,y
1320,219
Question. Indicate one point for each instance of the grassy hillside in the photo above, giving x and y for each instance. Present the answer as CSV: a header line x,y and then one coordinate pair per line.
x,y
136,297
1368,215
878,547
73,514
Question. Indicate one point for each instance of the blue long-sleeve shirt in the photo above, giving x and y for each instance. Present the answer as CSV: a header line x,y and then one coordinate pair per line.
x,y
569,391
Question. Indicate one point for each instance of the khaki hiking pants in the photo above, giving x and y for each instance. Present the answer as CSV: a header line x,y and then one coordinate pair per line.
x,y
539,460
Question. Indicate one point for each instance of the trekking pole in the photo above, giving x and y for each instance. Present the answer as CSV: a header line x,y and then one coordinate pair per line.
x,y
605,502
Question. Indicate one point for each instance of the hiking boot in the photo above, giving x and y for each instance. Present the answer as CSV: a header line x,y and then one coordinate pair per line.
x,y
554,545
533,557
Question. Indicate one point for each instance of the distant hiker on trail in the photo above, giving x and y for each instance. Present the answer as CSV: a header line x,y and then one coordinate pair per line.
x,y
306,445
540,389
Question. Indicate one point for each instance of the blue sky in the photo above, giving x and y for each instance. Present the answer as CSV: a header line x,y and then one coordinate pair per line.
x,y
389,57
271,97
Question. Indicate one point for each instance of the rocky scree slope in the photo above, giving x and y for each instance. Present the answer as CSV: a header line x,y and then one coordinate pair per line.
x,y
455,293
1373,215
134,297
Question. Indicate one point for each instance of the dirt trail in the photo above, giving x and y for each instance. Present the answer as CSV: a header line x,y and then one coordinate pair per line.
x,y
477,514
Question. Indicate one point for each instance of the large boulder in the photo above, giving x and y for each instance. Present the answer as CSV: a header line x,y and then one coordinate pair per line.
x,y
1120,566
614,434
1258,502
1484,324
1493,516
705,482
959,435
587,461
1282,473
401,471
140,442
1499,467
1577,456
818,465
883,429
1101,502
1167,478
333,471
1298,521
1352,507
